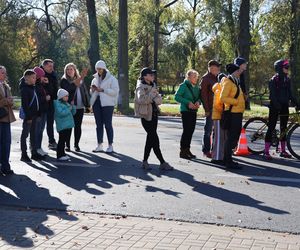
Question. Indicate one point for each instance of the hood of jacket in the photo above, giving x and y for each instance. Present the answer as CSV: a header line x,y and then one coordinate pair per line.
x,y
108,74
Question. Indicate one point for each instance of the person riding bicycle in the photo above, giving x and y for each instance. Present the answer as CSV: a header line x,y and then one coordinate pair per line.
x,y
280,96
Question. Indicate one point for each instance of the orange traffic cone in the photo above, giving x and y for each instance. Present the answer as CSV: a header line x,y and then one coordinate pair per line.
x,y
242,148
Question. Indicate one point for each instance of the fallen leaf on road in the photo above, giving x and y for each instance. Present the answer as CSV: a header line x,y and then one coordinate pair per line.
x,y
269,218
247,182
219,217
85,228
162,214
221,182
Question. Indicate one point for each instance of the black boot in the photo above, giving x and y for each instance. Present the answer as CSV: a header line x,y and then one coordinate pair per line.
x,y
190,153
184,153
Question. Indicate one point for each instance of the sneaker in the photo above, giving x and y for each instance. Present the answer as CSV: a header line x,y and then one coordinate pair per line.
x,y
267,157
25,158
77,148
110,149
285,154
7,172
37,157
52,146
207,154
68,149
63,158
165,166
146,166
42,152
98,149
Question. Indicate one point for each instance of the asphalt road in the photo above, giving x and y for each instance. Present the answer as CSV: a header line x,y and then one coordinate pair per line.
x,y
264,195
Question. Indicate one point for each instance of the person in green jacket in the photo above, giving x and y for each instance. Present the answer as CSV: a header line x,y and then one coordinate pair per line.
x,y
63,115
188,95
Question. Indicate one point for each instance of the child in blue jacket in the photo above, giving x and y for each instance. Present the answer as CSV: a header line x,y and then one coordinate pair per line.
x,y
63,115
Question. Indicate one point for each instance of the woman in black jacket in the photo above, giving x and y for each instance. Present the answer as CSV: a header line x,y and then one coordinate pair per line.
x,y
280,97
78,96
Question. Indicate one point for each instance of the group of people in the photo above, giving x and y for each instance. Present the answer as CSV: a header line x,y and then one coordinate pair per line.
x,y
45,99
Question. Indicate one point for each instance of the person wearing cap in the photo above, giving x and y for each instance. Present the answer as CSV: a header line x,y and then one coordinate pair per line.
x,y
63,116
51,88
233,98
41,82
105,91
219,134
146,102
30,106
72,81
188,95
6,104
206,84
280,97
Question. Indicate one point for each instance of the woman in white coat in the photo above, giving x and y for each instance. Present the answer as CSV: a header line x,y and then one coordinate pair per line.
x,y
105,90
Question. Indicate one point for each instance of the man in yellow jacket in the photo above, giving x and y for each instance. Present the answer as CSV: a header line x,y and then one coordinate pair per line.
x,y
233,98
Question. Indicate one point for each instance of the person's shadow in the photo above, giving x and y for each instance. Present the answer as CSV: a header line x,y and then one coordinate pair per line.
x,y
24,197
85,169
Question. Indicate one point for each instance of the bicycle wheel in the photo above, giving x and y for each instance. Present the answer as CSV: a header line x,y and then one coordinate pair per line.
x,y
293,141
256,129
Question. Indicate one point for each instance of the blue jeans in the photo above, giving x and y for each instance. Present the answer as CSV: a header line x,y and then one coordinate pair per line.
x,y
40,126
5,142
103,117
206,145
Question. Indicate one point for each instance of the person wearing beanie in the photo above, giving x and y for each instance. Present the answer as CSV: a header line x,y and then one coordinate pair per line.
x,y
41,82
105,91
29,112
6,118
73,82
280,97
146,102
206,84
51,88
243,64
234,103
219,134
63,116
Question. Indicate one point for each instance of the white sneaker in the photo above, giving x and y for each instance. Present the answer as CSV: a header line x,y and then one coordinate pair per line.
x,y
99,148
64,158
42,152
110,149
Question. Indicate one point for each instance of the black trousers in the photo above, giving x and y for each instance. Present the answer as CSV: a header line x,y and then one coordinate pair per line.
x,y
50,123
273,117
152,140
233,135
28,129
188,123
64,135
77,129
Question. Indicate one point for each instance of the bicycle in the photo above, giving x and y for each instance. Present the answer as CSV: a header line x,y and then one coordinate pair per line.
x,y
256,129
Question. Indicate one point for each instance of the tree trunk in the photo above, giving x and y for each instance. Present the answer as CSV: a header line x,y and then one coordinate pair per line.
x,y
156,35
244,39
93,51
193,36
123,103
295,47
232,26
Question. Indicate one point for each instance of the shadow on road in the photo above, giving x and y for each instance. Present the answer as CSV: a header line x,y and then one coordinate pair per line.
x,y
20,191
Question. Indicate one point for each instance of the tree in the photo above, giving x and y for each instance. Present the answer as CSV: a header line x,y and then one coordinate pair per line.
x,y
295,45
244,38
123,56
93,51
